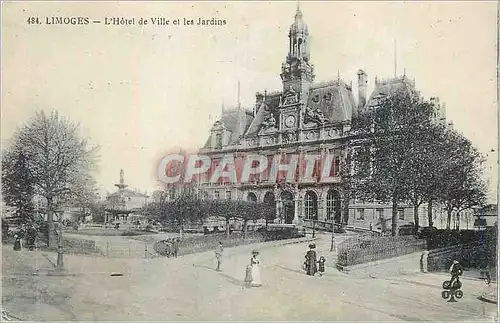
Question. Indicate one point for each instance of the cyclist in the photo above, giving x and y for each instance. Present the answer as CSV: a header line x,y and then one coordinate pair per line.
x,y
456,270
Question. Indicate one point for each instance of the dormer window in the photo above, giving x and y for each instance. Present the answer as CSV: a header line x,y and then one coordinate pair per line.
x,y
218,141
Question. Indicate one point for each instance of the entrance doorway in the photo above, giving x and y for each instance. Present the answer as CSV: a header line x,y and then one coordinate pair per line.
x,y
288,207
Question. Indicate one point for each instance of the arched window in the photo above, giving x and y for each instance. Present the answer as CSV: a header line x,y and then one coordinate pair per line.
x,y
251,197
333,206
311,205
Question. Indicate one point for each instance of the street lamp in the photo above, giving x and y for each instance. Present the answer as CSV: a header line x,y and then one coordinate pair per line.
x,y
332,245
60,263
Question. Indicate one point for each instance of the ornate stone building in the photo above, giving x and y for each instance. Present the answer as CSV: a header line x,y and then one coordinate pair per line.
x,y
302,118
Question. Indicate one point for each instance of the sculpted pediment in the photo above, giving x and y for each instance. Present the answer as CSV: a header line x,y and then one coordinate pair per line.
x,y
290,97
314,116
269,124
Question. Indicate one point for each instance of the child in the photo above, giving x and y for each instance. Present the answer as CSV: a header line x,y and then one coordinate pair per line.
x,y
321,265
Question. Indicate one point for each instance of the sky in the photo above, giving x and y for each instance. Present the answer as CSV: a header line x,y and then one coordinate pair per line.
x,y
139,91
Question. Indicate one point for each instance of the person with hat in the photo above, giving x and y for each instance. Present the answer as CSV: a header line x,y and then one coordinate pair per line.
x,y
311,262
255,272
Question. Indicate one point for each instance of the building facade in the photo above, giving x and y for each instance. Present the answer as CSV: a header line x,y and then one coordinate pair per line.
x,y
302,118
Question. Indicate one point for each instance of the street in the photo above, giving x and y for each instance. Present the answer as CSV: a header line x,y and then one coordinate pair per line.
x,y
188,288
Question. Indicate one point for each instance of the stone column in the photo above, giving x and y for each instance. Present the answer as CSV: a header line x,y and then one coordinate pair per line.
x,y
322,210
297,207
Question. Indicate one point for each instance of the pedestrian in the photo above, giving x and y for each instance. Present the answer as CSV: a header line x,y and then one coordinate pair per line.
x,y
17,242
176,247
254,262
311,267
31,237
321,265
423,260
218,256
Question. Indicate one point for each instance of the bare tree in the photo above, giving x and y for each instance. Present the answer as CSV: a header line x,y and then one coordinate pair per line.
x,y
58,158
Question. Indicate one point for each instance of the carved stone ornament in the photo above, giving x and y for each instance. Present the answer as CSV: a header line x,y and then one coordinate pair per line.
x,y
332,133
289,137
315,116
290,97
270,140
269,121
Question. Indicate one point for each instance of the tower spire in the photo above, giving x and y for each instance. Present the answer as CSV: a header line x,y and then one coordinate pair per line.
x,y
395,57
298,13
239,95
296,71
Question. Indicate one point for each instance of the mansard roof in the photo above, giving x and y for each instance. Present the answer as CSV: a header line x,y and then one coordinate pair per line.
x,y
387,87
230,120
334,99
270,105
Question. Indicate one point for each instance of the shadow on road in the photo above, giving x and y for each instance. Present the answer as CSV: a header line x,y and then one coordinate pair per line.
x,y
229,278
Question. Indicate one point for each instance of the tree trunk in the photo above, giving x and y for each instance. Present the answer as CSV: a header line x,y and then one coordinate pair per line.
x,y
448,222
415,218
227,229
345,211
394,217
429,214
181,230
51,226
458,221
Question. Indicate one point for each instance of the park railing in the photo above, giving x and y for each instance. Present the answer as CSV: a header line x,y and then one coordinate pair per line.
x,y
365,249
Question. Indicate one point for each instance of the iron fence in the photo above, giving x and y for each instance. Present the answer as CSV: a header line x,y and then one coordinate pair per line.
x,y
365,249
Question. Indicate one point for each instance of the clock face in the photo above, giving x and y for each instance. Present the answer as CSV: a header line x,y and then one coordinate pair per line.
x,y
290,121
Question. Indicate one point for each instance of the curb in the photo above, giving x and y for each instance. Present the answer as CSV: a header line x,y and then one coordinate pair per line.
x,y
490,298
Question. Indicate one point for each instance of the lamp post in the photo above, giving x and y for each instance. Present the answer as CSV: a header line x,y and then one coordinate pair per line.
x,y
60,263
332,245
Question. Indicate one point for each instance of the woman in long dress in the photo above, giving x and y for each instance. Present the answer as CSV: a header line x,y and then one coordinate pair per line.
x,y
254,262
311,268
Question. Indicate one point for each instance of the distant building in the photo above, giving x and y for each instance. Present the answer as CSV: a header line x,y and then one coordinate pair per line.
x,y
125,201
486,216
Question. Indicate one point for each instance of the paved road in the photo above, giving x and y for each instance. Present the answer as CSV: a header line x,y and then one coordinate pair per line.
x,y
187,288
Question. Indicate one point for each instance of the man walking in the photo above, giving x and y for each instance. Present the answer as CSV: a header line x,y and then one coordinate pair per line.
x,y
218,255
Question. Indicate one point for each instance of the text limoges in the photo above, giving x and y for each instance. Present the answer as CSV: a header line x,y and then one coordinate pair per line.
x,y
67,20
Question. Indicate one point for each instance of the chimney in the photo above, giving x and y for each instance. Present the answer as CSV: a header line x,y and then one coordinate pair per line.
x,y
362,88
259,99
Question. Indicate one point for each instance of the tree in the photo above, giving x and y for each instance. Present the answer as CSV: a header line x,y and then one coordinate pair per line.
x,y
425,169
98,210
57,159
461,175
84,195
386,150
185,208
227,209
17,185
249,211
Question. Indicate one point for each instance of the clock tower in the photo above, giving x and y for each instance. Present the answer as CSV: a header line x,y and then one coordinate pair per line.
x,y
297,72
297,75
